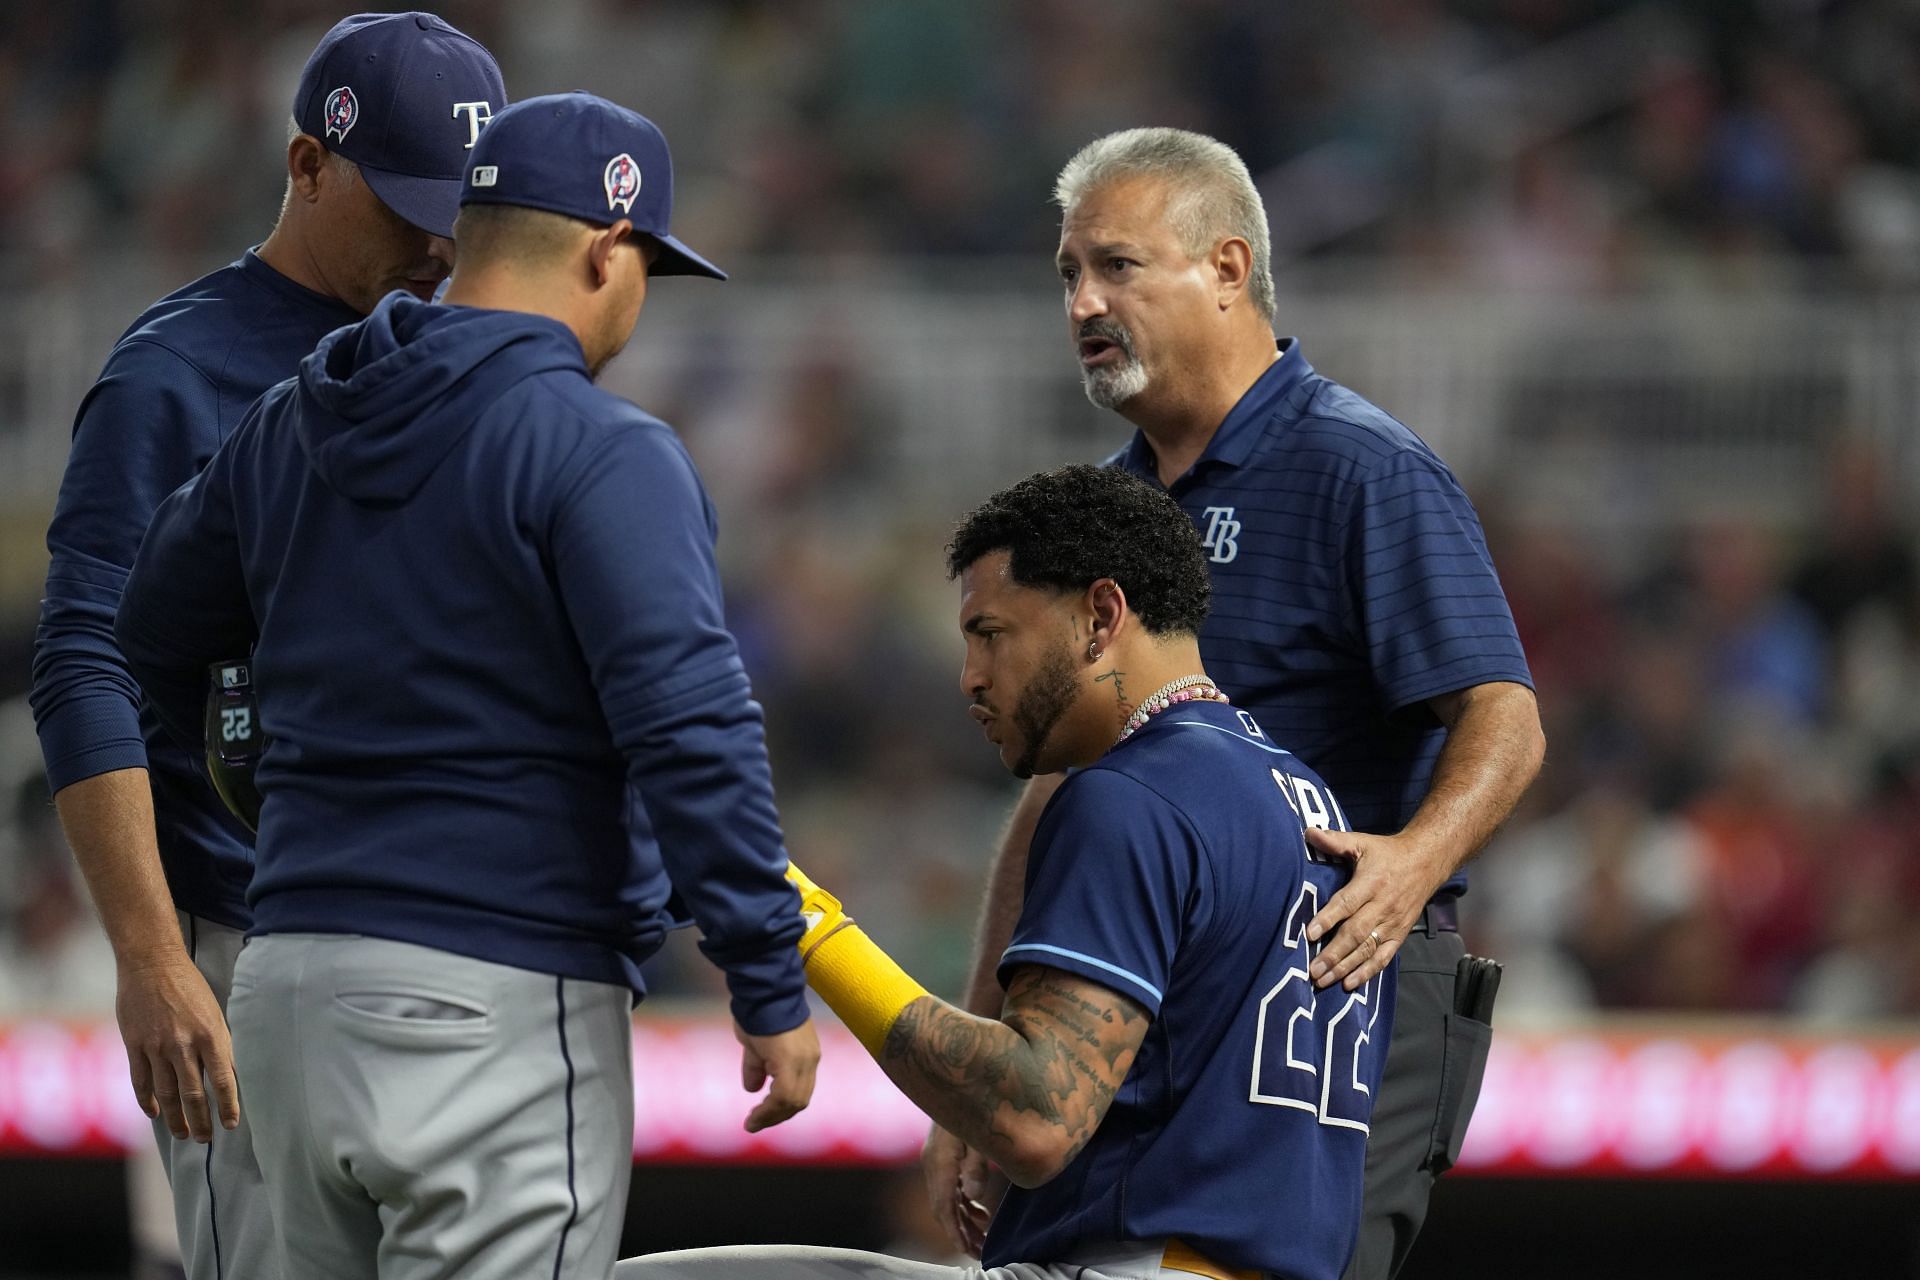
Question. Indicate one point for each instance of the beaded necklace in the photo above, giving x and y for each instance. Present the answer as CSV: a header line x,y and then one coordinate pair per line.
x,y
1185,689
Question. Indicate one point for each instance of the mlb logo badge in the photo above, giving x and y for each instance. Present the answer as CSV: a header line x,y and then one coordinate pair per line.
x,y
622,181
233,676
343,112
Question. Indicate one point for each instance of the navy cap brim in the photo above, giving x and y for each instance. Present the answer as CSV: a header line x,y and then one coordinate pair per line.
x,y
430,204
677,260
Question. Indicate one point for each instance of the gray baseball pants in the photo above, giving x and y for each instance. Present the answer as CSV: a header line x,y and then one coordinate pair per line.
x,y
426,1116
808,1262
1435,1063
220,1207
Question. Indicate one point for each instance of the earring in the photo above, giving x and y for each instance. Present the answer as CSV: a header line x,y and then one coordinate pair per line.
x,y
1093,651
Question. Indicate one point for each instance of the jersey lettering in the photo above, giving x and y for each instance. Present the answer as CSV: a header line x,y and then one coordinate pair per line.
x,y
1316,808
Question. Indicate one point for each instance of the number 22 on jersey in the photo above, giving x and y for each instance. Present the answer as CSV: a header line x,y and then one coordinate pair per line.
x,y
1312,1049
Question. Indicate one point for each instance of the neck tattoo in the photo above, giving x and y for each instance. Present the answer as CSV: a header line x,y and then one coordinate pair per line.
x,y
1185,689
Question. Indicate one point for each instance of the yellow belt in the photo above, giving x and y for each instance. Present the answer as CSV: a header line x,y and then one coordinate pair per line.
x,y
1183,1257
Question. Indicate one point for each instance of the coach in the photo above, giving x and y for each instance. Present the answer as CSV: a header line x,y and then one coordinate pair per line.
x,y
507,722
386,108
1357,616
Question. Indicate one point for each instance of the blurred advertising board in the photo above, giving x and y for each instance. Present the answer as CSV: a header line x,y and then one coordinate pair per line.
x,y
1628,1100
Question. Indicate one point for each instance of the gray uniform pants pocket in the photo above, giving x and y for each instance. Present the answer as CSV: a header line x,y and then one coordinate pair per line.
x,y
427,1116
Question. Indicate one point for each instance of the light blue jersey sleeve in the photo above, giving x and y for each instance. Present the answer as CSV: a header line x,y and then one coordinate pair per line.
x,y
1108,879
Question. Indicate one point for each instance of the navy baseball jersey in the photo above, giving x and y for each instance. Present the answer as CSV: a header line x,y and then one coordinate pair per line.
x,y
1175,871
176,384
1351,583
507,719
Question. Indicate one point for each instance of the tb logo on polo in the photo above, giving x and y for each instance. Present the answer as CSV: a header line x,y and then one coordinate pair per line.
x,y
477,113
1222,532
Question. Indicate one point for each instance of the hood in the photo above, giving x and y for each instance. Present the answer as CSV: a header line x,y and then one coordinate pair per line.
x,y
382,402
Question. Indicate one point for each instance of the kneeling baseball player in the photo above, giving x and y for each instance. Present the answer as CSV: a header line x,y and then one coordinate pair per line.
x,y
1165,1086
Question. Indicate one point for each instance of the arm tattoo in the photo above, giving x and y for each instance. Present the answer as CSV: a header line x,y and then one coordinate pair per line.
x,y
1055,1059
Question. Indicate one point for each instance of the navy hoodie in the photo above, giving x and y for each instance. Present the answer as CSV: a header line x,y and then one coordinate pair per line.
x,y
507,718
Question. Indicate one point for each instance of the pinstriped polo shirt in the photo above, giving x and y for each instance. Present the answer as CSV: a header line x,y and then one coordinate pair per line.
x,y
1351,583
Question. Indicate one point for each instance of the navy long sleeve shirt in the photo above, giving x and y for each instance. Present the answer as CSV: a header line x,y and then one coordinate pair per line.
x,y
175,384
506,717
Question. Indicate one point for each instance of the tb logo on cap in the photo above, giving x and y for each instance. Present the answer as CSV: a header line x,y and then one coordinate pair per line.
x,y
622,181
343,111
477,114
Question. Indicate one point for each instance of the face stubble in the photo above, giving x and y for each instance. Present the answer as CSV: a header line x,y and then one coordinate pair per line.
x,y
1043,703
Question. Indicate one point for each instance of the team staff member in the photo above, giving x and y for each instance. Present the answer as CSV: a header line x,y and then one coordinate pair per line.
x,y
384,113
1357,617
1168,1089
506,722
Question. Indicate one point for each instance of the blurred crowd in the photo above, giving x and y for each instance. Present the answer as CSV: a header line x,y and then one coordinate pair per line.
x,y
1730,814
1562,144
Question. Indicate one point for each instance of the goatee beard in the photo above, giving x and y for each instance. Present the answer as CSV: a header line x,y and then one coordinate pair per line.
x,y
1114,385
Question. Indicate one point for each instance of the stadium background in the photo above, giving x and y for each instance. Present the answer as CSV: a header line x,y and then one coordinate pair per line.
x,y
1644,273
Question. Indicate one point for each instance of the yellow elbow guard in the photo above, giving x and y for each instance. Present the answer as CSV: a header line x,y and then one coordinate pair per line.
x,y
860,982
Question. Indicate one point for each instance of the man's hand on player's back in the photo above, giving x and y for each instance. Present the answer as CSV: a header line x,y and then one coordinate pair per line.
x,y
788,1059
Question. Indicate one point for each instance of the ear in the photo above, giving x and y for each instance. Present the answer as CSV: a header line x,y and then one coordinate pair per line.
x,y
1232,267
601,248
306,161
1107,604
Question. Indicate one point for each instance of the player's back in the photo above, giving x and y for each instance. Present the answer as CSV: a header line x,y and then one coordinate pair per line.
x,y
1175,871
443,769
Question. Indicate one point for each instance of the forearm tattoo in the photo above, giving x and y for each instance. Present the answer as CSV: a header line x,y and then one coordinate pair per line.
x,y
1056,1058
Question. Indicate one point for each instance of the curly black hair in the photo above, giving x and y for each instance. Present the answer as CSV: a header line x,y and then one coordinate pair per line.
x,y
1069,528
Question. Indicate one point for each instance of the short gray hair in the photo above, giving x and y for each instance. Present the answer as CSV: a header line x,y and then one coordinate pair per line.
x,y
334,158
1213,195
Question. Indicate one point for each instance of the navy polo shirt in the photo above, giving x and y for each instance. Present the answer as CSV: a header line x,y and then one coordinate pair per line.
x,y
1351,583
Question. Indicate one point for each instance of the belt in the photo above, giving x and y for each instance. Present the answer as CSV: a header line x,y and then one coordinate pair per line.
x,y
1184,1258
1442,915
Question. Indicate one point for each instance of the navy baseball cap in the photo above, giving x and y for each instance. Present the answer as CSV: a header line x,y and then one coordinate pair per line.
x,y
586,158
404,96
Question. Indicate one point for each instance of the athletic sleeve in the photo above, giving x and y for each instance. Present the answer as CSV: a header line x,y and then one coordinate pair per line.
x,y
143,430
185,605
1108,881
1425,600
632,548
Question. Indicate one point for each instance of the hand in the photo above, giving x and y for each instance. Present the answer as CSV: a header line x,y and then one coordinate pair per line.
x,y
1374,911
790,1060
962,1188
177,1038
